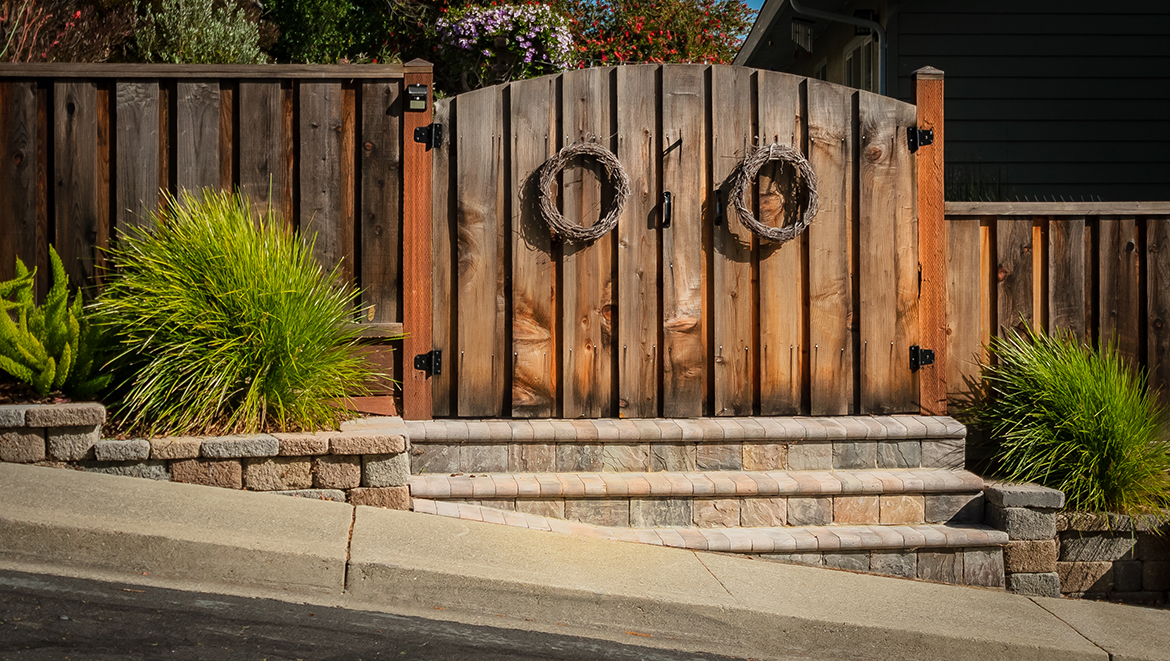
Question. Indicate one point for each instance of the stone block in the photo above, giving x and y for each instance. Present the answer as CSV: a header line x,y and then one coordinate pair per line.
x,y
175,447
719,456
1096,546
855,509
677,457
388,423
983,567
72,443
434,458
367,442
854,455
236,447
1030,556
132,450
854,561
954,508
941,566
304,444
944,453
1128,576
1046,584
810,511
81,414
578,457
894,563
391,498
811,559
1021,522
765,456
1006,494
226,473
532,458
901,508
763,512
336,495
1085,576
385,470
810,456
337,472
550,507
716,512
599,511
22,445
899,454
1156,575
150,470
660,512
483,458
1152,547
277,474
625,458
12,415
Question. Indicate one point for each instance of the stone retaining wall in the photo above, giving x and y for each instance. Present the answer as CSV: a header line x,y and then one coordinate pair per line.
x,y
365,463
1116,558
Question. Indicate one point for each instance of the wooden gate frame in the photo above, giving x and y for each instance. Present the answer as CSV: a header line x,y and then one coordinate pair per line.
x,y
932,245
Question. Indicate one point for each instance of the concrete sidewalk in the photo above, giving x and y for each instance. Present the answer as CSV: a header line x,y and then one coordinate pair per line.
x,y
215,540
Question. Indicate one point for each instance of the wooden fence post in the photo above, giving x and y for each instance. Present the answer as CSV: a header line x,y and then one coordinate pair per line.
x,y
416,246
932,257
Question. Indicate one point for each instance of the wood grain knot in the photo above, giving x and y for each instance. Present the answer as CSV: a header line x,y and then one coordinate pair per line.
x,y
369,146
1129,246
18,158
1158,324
1001,274
873,154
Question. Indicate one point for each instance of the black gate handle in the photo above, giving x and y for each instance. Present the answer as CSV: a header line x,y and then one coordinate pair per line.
x,y
666,208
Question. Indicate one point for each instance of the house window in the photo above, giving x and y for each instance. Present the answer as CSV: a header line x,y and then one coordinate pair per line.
x,y
859,58
822,70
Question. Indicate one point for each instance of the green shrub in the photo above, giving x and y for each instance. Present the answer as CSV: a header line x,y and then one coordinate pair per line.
x,y
198,32
314,31
1077,419
51,346
227,324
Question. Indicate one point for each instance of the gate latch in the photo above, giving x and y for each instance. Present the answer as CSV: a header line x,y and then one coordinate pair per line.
x,y
919,357
430,135
916,137
430,362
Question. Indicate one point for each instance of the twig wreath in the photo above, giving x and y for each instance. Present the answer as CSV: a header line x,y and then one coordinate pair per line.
x,y
548,179
746,174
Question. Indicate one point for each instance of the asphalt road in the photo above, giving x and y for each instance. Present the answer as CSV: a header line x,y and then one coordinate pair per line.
x,y
49,617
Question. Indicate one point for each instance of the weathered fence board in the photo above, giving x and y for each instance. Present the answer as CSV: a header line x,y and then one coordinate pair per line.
x,y
1066,276
196,152
137,143
261,119
443,237
381,199
18,174
75,178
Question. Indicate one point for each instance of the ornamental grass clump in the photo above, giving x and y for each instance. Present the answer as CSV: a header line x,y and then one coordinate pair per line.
x,y
227,323
1078,419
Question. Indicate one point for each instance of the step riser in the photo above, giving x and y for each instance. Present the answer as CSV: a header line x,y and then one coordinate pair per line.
x,y
901,509
435,457
976,566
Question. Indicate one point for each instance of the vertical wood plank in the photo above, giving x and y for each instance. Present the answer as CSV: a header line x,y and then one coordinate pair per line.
x,y
321,173
75,177
138,151
18,176
932,386
964,303
1014,273
781,320
227,151
262,176
1158,301
637,243
587,270
888,278
348,188
988,285
103,174
533,110
480,221
1066,276
416,255
732,137
381,212
1120,288
44,131
684,356
197,111
830,290
443,239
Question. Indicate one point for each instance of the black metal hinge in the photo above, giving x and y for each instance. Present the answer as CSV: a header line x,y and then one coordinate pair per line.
x,y
919,357
917,137
430,135
430,362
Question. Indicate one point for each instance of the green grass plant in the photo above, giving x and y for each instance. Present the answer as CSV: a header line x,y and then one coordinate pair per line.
x,y
226,323
1074,418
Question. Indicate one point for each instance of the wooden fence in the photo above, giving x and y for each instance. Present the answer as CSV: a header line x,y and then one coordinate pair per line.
x,y
88,148
698,317
1098,269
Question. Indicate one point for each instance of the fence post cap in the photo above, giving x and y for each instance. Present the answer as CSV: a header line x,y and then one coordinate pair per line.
x,y
418,63
928,73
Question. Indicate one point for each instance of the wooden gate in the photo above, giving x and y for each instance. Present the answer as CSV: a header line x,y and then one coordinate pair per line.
x,y
695,318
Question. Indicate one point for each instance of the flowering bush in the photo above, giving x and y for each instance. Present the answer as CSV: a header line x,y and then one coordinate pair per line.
x,y
490,45
63,30
657,30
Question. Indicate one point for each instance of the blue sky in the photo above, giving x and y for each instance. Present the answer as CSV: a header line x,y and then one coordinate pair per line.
x,y
755,4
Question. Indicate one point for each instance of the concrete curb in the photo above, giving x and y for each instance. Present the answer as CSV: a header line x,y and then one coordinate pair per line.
x,y
402,561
